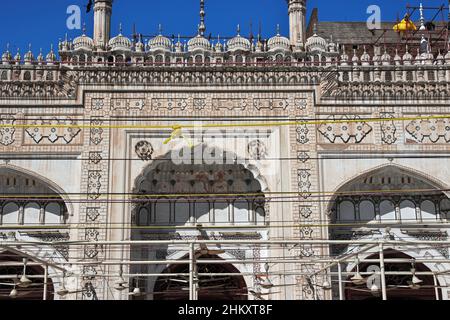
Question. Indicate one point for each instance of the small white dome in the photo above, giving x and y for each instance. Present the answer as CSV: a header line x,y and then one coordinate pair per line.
x,y
64,45
51,56
397,58
178,45
365,57
7,56
18,57
83,43
160,43
120,42
259,46
40,57
219,46
140,47
355,58
29,57
239,43
407,56
316,43
279,42
332,47
386,58
199,43
440,58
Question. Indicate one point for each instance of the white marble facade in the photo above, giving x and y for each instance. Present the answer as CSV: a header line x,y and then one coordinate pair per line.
x,y
99,121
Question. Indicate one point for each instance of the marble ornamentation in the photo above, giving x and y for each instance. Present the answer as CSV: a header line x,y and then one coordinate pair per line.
x,y
302,134
127,104
270,104
429,131
388,129
257,150
53,131
169,104
96,131
343,131
7,130
304,183
97,104
94,184
229,104
144,150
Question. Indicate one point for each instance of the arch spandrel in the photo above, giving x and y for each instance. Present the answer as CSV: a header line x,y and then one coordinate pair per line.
x,y
165,158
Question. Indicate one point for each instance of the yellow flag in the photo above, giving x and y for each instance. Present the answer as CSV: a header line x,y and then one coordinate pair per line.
x,y
177,133
405,25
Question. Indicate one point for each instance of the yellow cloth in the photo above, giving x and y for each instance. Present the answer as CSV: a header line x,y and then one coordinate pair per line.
x,y
176,133
405,25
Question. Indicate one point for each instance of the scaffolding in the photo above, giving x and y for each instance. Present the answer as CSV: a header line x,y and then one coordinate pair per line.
x,y
325,267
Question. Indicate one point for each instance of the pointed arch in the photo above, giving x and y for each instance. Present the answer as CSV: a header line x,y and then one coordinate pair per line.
x,y
432,181
43,180
246,163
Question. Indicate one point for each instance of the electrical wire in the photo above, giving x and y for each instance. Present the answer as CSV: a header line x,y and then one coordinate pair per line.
x,y
224,125
194,160
257,195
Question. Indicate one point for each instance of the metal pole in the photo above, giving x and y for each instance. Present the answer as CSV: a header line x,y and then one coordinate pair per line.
x,y
196,282
45,282
341,289
344,259
232,261
315,288
382,273
436,289
191,271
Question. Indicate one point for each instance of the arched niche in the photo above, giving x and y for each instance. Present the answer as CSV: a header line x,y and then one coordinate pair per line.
x,y
11,268
388,196
176,194
45,204
398,286
229,287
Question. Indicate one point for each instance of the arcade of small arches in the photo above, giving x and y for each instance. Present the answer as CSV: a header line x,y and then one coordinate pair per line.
x,y
390,195
199,59
48,209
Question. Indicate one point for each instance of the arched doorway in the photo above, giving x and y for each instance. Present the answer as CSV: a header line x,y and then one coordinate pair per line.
x,y
11,270
389,202
209,287
398,287
40,206
204,201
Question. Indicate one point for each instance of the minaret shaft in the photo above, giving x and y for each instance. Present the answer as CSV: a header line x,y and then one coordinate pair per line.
x,y
102,22
297,21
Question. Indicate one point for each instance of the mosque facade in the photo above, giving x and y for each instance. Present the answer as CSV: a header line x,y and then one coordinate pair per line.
x,y
313,138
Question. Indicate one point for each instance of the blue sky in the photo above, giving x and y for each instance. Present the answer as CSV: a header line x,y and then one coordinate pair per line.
x,y
42,22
